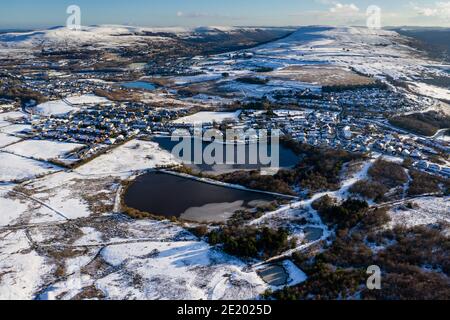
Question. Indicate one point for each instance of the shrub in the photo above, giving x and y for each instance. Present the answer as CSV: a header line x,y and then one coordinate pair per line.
x,y
263,69
200,231
427,123
254,180
325,283
376,218
324,203
414,285
388,173
250,242
423,183
339,272
369,190
344,216
252,80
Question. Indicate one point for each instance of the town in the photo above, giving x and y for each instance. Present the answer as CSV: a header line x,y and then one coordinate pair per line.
x,y
97,202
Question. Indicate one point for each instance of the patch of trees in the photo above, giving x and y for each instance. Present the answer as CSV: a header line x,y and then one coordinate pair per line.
x,y
254,180
369,190
251,242
118,95
324,283
252,80
426,124
342,216
24,95
319,168
387,173
243,216
433,252
263,69
409,271
424,183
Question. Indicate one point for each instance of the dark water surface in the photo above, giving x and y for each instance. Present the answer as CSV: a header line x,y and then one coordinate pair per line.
x,y
139,85
174,196
288,158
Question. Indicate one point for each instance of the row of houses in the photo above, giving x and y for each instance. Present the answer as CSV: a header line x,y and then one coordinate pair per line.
x,y
98,124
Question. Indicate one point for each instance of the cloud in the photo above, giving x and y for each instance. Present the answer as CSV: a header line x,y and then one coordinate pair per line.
x,y
337,13
349,9
200,15
439,10
193,14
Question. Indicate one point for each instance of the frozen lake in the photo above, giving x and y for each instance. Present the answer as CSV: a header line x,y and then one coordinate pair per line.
x,y
169,195
288,158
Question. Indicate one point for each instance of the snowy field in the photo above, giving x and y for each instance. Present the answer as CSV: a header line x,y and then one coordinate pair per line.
x,y
10,209
18,208
6,140
87,99
426,211
42,149
15,129
7,117
195,271
14,167
57,107
133,156
70,104
22,268
208,117
380,54
431,91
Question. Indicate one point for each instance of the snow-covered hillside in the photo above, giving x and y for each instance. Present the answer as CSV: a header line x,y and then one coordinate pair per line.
x,y
381,54
110,35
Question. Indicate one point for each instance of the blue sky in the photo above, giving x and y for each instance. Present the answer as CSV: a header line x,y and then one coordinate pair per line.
x,y
47,13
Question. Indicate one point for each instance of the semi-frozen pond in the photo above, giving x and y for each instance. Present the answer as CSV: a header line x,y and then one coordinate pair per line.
x,y
170,195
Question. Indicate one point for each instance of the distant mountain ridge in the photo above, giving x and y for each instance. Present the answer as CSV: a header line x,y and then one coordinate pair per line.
x,y
114,34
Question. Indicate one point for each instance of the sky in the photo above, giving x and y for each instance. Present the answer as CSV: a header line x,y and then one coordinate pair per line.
x,y
33,14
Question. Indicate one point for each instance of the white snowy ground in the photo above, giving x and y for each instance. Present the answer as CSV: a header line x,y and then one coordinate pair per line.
x,y
15,129
6,140
70,104
208,117
377,53
14,167
54,245
7,117
86,100
42,149
431,91
122,258
427,210
57,107
22,269
288,215
105,35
